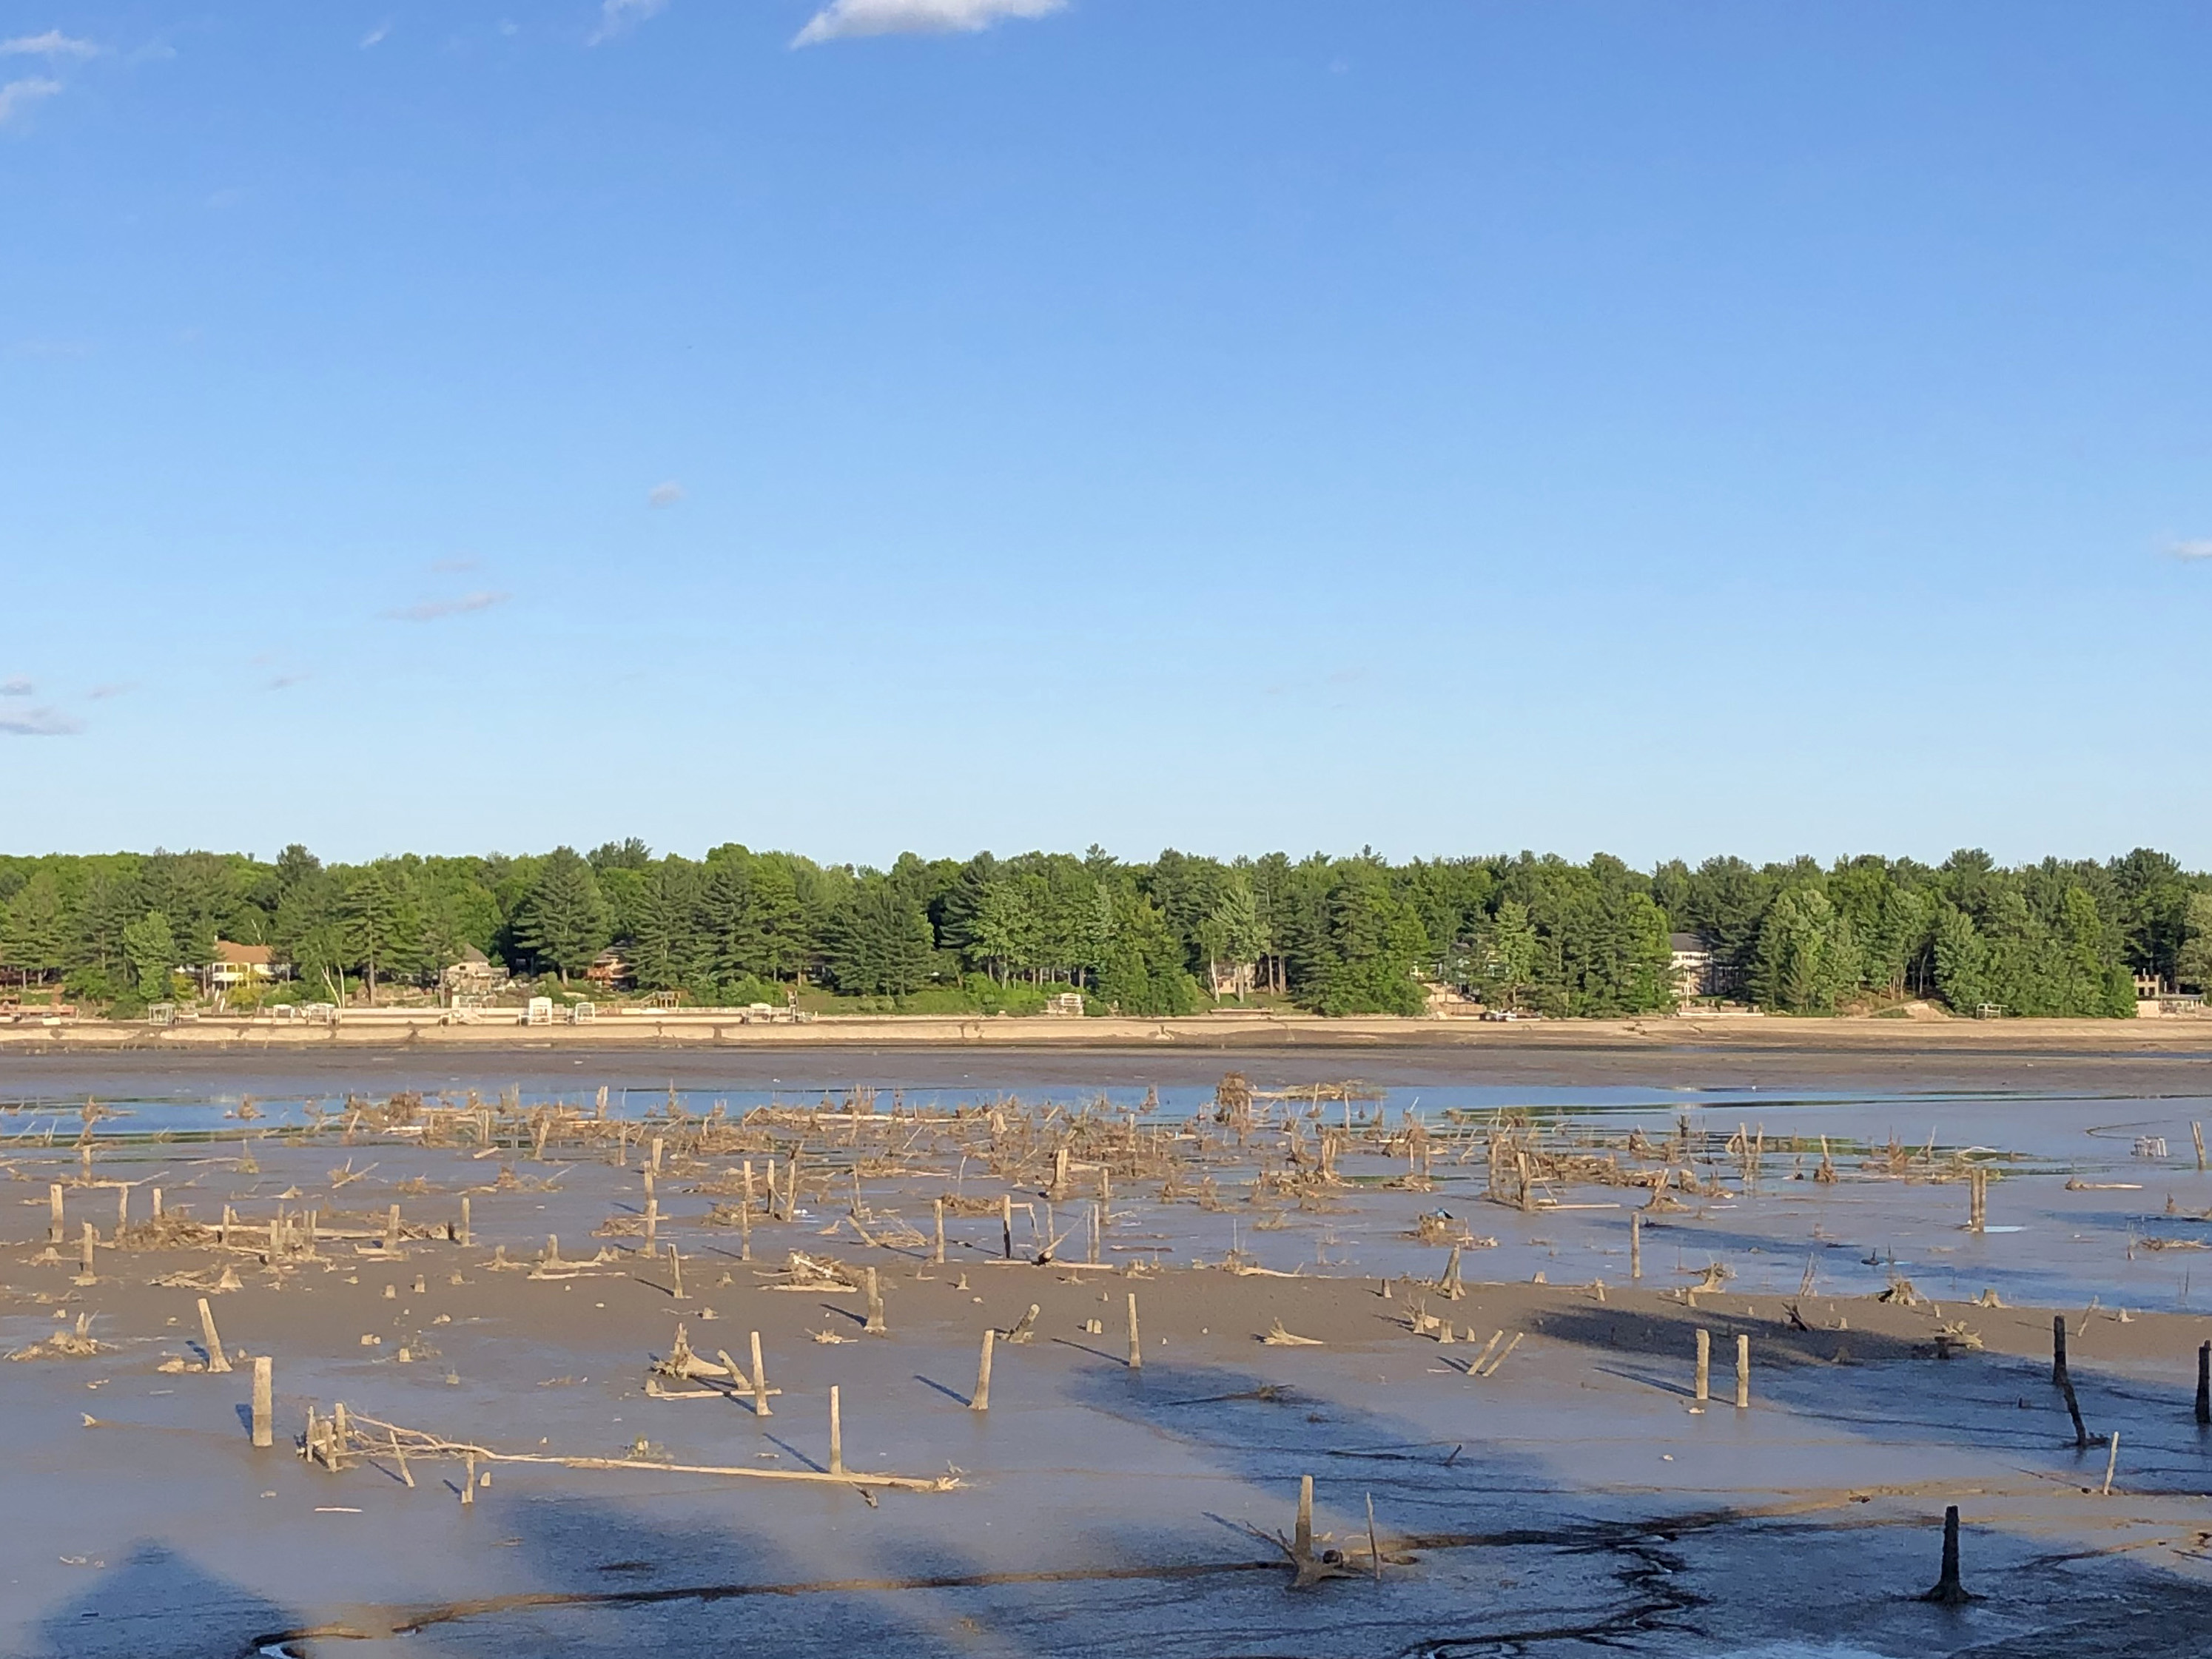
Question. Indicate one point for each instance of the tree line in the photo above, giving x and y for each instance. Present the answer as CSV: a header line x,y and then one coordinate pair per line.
x,y
1333,934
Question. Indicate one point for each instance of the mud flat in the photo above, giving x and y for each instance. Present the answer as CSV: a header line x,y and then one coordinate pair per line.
x,y
1476,1304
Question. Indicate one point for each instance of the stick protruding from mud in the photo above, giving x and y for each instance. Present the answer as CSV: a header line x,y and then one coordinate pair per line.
x,y
760,1381
1948,1592
218,1360
981,1402
1136,1342
836,1434
2203,1384
265,1429
1704,1382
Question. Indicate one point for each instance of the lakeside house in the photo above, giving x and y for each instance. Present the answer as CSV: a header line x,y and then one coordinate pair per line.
x,y
1696,972
474,978
608,968
236,964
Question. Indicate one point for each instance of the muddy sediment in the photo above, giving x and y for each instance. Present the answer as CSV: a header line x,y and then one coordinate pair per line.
x,y
1484,1319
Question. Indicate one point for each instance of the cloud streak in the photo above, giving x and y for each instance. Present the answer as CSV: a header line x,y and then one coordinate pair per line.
x,y
18,687
434,609
664,495
377,35
40,722
18,95
52,44
618,17
847,20
2190,552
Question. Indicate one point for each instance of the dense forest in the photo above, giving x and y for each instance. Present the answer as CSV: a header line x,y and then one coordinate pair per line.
x,y
1336,935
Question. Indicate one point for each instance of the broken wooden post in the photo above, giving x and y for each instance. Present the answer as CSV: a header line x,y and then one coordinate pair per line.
x,y
2111,1462
939,1205
760,1381
122,1211
1949,1591
157,1204
1636,1244
1743,1373
656,1155
1704,1366
2197,1130
218,1360
2204,1384
836,1436
392,1231
1136,1343
746,1226
1301,1538
2057,1350
1006,1223
1977,1189
652,1223
264,1401
469,1480
465,1231
676,1270
84,1255
55,1226
981,1402
875,1327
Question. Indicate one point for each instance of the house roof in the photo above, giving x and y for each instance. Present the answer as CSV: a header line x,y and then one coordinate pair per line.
x,y
1687,942
243,956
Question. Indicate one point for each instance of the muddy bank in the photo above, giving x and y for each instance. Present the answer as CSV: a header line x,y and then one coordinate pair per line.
x,y
1544,1482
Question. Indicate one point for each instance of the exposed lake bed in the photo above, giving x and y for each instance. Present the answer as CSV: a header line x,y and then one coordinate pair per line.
x,y
1546,1481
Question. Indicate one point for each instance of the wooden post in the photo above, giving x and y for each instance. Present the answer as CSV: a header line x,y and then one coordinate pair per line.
x,y
656,1155
1136,1342
466,1233
760,1381
1006,1223
157,1204
1949,1591
875,1327
981,1402
2058,1351
55,1224
1704,1366
745,1227
676,1270
1636,1244
84,1254
2111,1462
392,1231
836,1436
2197,1130
652,1223
218,1360
1302,1539
122,1211
264,1401
1743,1373
939,1205
2204,1384
469,1481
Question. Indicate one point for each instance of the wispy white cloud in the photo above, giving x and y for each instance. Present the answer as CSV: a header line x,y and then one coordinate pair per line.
x,y
376,36
845,20
40,722
452,567
664,495
620,16
18,687
286,682
2200,548
18,95
112,689
52,44
433,610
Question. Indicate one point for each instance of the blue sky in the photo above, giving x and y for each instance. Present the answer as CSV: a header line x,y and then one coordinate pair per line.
x,y
1660,428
